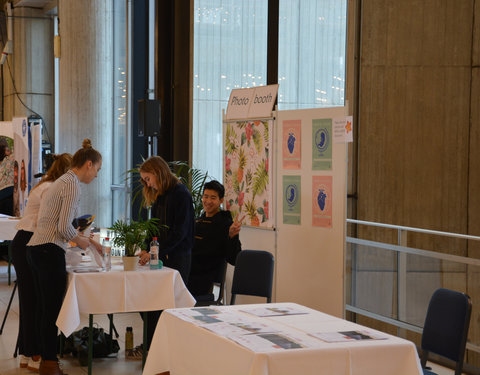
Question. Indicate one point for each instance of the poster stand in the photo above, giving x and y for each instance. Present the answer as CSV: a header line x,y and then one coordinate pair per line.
x,y
309,255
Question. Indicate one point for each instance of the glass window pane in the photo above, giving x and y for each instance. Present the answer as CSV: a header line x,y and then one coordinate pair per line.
x,y
230,51
311,53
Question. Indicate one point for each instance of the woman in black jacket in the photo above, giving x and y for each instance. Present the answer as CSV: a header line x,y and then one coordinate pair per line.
x,y
172,204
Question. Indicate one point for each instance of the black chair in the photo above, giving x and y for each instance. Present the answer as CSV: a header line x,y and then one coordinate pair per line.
x,y
446,327
253,274
219,281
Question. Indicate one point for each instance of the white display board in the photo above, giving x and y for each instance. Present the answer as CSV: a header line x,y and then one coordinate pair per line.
x,y
309,255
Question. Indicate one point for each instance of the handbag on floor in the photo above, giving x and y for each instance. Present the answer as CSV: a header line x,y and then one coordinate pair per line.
x,y
103,344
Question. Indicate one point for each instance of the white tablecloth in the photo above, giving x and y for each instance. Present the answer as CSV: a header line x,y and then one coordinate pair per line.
x,y
7,227
120,291
182,348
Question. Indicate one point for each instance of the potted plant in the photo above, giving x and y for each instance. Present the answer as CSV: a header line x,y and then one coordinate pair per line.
x,y
132,236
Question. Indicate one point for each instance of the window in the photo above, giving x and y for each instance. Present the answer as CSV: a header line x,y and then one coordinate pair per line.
x,y
311,53
120,113
230,51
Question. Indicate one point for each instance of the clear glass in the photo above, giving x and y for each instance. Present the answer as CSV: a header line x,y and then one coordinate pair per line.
x,y
230,51
119,156
311,53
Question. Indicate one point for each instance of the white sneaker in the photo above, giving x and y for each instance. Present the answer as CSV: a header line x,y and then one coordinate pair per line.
x,y
24,361
33,365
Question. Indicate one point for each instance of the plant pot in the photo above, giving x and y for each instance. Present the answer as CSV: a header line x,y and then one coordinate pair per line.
x,y
129,263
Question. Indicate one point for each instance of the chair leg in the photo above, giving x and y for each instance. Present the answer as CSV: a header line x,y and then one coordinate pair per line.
x,y
8,307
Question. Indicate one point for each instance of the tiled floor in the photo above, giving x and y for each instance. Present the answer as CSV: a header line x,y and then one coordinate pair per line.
x,y
106,366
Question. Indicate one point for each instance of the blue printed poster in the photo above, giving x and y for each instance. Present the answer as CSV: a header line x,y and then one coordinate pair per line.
x,y
291,200
322,144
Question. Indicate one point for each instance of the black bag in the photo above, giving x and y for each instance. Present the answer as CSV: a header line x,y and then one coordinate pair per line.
x,y
103,344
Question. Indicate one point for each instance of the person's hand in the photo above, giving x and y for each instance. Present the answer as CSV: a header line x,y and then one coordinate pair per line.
x,y
81,241
235,227
144,257
96,245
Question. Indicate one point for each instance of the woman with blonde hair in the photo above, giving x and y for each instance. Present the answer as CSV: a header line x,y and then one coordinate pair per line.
x,y
171,203
46,249
28,345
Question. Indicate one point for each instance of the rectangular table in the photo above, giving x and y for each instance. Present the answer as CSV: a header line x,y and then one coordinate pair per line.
x,y
184,347
119,291
7,233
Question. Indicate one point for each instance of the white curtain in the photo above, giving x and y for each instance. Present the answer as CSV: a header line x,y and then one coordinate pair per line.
x,y
230,51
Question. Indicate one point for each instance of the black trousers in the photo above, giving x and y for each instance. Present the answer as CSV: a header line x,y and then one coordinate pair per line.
x,y
182,264
28,343
50,278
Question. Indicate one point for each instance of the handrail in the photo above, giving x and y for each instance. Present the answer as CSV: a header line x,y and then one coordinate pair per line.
x,y
414,251
412,229
402,250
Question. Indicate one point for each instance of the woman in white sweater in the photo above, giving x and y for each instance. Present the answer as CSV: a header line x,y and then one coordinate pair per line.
x,y
46,249
28,345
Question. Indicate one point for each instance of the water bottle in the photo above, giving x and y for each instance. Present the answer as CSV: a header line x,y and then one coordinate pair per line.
x,y
155,263
128,340
107,254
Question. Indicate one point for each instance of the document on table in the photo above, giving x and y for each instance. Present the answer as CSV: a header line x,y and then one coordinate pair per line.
x,y
274,311
255,334
348,336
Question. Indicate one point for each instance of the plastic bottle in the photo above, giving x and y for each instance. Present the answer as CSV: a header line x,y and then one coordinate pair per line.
x,y
155,263
129,339
107,254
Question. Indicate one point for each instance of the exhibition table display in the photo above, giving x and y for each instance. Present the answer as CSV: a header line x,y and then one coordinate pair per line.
x,y
92,291
273,339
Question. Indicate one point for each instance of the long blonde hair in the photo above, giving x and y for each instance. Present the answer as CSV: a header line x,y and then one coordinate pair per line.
x,y
165,178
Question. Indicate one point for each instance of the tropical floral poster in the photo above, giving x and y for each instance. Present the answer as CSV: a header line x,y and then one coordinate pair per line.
x,y
247,171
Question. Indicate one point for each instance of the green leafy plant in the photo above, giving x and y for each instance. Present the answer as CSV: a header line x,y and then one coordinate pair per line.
x,y
132,235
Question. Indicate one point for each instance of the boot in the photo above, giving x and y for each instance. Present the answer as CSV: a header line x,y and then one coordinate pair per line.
x,y
50,368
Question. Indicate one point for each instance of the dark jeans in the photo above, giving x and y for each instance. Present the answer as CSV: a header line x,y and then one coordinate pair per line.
x,y
28,344
182,264
50,278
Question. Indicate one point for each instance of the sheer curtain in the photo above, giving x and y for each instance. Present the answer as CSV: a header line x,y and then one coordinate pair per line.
x,y
230,51
311,53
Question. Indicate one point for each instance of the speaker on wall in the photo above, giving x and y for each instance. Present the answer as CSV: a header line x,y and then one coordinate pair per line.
x,y
149,116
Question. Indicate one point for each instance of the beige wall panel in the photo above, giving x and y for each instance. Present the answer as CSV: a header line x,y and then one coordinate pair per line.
x,y
374,36
476,36
473,288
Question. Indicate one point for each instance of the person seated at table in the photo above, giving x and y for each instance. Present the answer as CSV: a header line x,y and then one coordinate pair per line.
x,y
6,179
28,341
46,248
216,240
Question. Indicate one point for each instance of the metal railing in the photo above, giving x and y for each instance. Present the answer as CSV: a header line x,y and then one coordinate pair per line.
x,y
401,251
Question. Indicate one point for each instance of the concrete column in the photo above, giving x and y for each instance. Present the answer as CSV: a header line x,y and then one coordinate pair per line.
x,y
29,69
85,93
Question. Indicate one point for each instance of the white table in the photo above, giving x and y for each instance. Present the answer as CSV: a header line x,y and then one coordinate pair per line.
x,y
120,291
183,347
7,232
7,227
